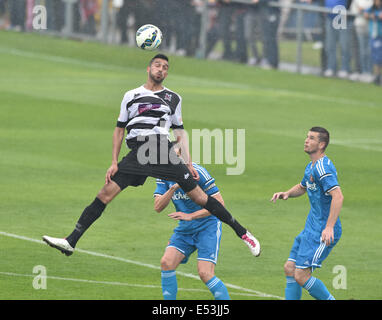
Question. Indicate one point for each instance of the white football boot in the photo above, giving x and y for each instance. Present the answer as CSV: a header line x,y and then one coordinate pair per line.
x,y
60,244
252,243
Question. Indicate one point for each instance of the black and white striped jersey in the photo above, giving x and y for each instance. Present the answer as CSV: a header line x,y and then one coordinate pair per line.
x,y
145,112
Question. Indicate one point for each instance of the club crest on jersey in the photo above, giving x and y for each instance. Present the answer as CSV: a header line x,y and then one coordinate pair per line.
x,y
168,96
148,106
311,178
311,186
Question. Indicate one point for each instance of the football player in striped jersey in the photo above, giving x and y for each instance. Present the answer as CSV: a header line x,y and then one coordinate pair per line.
x,y
147,113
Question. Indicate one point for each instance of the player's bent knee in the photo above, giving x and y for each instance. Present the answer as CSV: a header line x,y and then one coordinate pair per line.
x,y
167,264
301,276
205,275
108,192
289,268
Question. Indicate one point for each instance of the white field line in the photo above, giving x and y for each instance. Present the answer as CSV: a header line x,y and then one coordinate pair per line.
x,y
254,293
116,283
207,82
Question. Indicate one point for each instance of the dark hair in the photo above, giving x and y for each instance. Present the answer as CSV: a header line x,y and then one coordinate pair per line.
x,y
323,135
158,56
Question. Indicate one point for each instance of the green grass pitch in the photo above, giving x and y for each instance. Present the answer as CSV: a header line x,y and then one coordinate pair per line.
x,y
59,102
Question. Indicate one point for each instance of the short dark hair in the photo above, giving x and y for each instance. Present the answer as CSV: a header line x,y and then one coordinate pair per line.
x,y
158,56
323,135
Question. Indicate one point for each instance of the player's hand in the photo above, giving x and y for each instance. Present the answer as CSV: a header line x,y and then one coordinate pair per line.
x,y
327,235
175,186
194,172
180,216
279,195
111,172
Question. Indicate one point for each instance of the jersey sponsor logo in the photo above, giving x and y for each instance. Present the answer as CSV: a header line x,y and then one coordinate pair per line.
x,y
180,196
147,106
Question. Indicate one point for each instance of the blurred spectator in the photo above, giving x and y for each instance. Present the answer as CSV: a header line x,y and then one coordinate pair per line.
x,y
3,15
322,36
55,14
284,14
241,48
143,12
126,7
194,8
88,8
162,21
17,14
213,31
185,18
374,14
225,16
254,32
334,35
270,24
363,40
229,27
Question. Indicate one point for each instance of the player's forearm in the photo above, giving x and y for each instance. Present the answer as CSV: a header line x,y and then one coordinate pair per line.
x,y
296,191
117,143
203,212
162,201
182,139
199,214
335,207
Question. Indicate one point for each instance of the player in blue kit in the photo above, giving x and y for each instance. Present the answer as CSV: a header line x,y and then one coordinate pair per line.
x,y
322,228
197,230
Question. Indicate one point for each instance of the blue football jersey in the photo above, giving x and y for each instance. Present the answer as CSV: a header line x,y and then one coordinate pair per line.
x,y
319,179
183,203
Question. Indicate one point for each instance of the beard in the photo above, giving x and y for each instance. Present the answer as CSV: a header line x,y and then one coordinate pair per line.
x,y
156,79
311,151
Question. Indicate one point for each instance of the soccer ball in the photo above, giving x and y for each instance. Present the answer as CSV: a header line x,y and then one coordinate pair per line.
x,y
148,37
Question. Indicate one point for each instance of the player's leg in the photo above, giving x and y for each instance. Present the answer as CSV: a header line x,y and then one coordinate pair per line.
x,y
207,242
206,270
312,253
169,262
293,290
218,210
93,211
90,214
314,286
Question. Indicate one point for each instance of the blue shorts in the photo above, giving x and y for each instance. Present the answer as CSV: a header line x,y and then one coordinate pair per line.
x,y
206,241
308,251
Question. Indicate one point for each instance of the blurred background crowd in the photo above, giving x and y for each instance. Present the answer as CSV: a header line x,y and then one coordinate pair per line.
x,y
253,32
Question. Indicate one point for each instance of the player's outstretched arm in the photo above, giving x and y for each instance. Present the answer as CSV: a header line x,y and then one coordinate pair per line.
x,y
295,191
182,140
117,142
336,205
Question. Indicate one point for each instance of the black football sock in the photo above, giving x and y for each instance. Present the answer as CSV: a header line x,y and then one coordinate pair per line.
x,y
88,216
218,210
